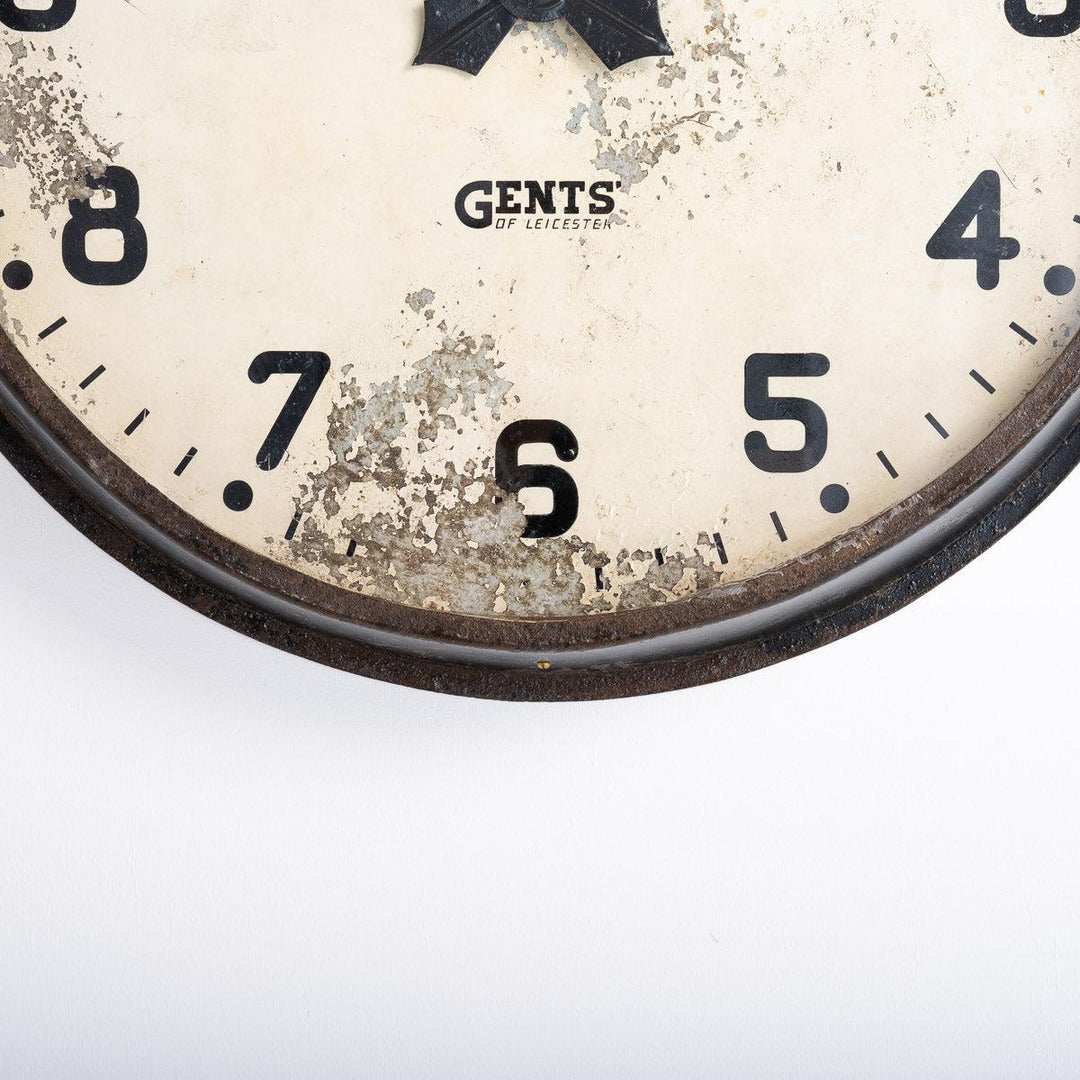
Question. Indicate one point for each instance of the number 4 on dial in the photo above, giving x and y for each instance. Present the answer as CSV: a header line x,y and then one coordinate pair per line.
x,y
981,207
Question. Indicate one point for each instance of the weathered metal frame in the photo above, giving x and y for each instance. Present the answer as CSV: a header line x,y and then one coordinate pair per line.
x,y
808,602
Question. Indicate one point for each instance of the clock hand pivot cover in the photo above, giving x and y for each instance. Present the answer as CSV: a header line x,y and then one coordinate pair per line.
x,y
465,33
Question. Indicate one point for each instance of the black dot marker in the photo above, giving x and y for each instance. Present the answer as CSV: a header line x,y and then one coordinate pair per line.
x,y
1060,280
18,275
835,498
238,495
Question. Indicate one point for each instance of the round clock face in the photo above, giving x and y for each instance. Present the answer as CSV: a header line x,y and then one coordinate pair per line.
x,y
610,345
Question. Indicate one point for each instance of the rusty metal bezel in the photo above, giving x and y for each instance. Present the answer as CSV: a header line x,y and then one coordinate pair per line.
x,y
88,484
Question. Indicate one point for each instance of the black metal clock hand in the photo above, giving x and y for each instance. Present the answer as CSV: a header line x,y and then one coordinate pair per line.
x,y
464,33
619,31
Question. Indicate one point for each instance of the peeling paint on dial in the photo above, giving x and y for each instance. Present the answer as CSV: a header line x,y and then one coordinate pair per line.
x,y
648,118
780,175
408,509
44,128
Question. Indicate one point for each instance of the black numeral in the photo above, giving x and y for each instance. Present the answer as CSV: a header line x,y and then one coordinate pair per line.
x,y
512,477
31,21
121,217
761,405
1021,18
982,205
312,368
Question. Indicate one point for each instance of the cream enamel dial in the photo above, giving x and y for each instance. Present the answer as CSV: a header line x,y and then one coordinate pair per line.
x,y
556,340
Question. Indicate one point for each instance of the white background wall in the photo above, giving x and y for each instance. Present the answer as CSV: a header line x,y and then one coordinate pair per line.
x,y
220,861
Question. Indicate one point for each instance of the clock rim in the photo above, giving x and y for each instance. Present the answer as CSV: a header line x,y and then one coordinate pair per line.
x,y
507,657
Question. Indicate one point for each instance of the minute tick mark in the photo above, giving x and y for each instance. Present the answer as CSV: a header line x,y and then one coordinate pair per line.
x,y
136,423
778,525
92,377
888,465
720,549
933,421
290,532
1029,338
50,330
188,457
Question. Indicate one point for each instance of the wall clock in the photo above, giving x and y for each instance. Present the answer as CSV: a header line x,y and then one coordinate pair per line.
x,y
541,348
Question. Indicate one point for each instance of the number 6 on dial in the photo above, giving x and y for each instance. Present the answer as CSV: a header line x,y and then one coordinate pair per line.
x,y
512,477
